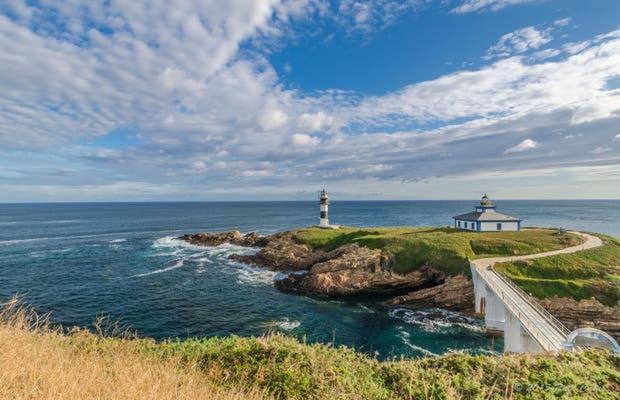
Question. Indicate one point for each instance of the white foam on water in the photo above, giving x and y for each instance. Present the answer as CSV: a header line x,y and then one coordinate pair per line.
x,y
366,309
44,239
176,265
405,338
253,276
205,260
41,253
471,351
117,241
287,324
436,319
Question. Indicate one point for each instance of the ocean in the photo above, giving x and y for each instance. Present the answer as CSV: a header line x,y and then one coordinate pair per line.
x,y
81,261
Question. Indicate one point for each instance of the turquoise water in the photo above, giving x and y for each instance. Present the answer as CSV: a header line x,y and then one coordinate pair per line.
x,y
80,261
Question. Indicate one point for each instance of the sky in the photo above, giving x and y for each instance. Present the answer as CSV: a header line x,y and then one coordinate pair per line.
x,y
152,100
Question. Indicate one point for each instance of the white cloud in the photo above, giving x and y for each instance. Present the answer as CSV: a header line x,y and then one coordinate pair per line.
x,y
520,41
527,144
489,5
508,87
563,21
204,110
600,150
272,117
370,15
301,140
547,53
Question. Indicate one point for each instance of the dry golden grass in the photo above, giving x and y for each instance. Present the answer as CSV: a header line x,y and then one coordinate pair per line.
x,y
38,362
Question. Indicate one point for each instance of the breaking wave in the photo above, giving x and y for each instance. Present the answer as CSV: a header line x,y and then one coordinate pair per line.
x,y
176,265
437,319
405,337
287,324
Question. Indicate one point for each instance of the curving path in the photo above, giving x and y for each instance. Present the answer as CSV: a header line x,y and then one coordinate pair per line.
x,y
542,326
590,243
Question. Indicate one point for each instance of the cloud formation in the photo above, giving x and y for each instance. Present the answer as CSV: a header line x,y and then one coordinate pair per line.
x,y
527,144
489,5
191,96
520,41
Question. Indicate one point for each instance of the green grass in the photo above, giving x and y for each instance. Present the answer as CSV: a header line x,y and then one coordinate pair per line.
x,y
446,249
288,369
581,275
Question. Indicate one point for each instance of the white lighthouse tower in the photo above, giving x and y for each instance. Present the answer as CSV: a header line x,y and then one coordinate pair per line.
x,y
324,205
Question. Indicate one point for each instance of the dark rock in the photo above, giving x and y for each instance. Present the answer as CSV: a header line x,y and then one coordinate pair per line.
x,y
281,253
353,271
232,237
456,293
585,313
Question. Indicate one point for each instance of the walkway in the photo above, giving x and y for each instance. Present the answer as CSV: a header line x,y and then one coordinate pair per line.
x,y
542,326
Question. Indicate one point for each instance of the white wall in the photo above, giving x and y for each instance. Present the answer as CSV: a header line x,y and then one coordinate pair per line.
x,y
506,226
466,225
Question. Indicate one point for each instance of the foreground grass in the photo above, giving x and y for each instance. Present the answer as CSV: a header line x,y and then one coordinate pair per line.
x,y
585,274
38,362
42,363
446,249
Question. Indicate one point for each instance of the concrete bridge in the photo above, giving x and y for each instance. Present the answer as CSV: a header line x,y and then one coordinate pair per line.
x,y
527,327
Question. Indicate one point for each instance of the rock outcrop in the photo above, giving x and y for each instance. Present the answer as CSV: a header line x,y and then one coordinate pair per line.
x,y
232,237
585,313
456,293
352,270
281,253
349,270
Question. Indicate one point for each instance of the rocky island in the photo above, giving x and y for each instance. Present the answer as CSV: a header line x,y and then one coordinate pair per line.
x,y
429,267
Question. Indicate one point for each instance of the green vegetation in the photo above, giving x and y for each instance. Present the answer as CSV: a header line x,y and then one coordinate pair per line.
x,y
581,275
40,362
287,369
446,249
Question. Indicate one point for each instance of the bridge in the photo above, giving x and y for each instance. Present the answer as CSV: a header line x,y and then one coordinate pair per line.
x,y
527,327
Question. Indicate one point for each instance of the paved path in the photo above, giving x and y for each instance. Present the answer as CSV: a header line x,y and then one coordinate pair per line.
x,y
542,326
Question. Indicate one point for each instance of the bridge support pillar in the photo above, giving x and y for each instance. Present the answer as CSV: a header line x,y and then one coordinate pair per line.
x,y
498,319
495,316
517,339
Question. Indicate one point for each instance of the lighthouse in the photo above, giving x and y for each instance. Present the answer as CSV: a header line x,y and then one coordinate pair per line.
x,y
324,205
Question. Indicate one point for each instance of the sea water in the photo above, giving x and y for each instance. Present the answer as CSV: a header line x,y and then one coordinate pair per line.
x,y
81,261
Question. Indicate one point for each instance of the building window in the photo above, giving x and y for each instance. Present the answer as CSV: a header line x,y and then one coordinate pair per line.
x,y
459,224
499,227
472,225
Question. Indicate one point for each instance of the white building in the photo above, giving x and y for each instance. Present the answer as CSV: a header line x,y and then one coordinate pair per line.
x,y
486,219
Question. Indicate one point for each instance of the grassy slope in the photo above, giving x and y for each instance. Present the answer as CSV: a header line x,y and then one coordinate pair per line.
x,y
446,249
581,275
289,369
44,364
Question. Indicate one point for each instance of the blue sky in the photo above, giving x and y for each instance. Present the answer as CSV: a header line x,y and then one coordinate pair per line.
x,y
272,99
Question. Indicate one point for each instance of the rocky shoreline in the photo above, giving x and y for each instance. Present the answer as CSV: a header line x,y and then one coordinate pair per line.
x,y
352,270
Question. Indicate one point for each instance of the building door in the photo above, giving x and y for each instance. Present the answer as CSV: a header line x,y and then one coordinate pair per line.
x,y
499,227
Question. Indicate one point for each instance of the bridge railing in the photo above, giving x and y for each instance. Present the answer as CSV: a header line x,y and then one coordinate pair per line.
x,y
533,303
534,330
